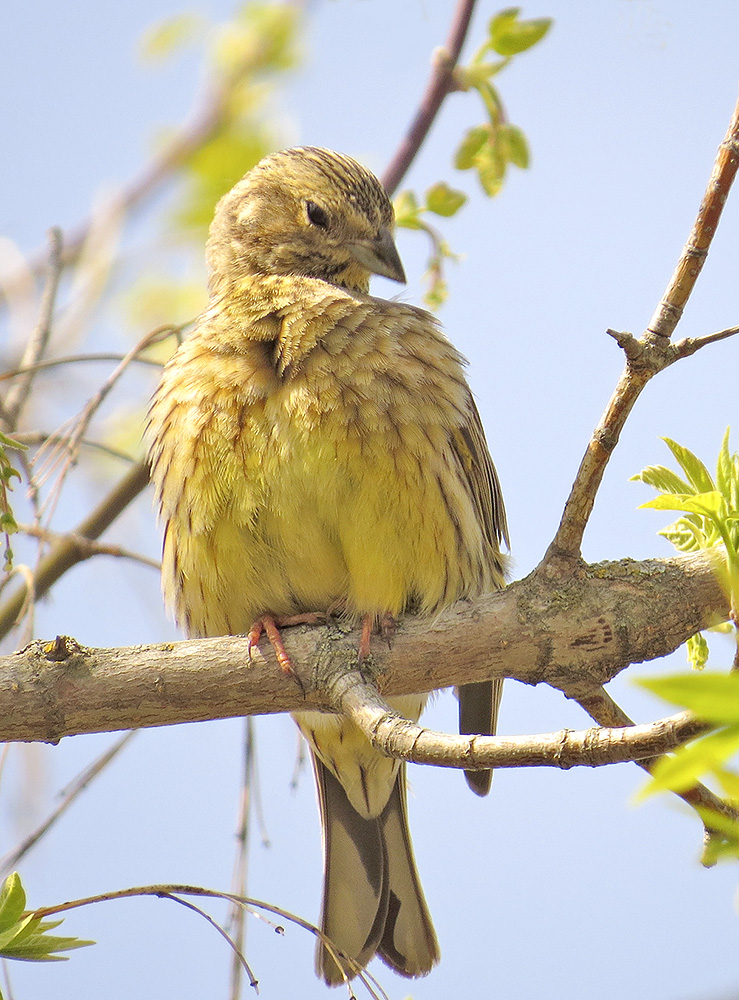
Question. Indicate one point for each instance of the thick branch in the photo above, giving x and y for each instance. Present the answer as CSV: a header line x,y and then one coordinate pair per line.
x,y
575,637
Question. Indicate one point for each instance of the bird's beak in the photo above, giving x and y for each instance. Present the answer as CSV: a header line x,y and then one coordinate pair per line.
x,y
380,256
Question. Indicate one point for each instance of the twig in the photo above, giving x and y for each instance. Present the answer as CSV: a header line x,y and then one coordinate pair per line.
x,y
86,546
689,345
236,922
71,793
645,358
236,951
38,438
173,891
18,395
67,554
604,710
440,84
670,309
73,359
71,443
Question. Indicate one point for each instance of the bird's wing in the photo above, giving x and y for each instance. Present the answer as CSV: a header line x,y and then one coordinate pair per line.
x,y
479,703
472,451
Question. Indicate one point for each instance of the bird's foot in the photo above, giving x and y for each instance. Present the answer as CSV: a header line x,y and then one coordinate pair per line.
x,y
387,628
270,626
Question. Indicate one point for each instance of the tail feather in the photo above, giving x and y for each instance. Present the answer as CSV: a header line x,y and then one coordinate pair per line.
x,y
373,902
478,713
408,942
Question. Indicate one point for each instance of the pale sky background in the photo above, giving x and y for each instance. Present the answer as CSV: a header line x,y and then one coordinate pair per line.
x,y
557,885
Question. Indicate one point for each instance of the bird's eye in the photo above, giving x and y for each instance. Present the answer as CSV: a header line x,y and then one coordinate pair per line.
x,y
317,215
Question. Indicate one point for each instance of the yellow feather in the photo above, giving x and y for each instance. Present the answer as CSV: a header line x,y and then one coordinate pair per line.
x,y
313,446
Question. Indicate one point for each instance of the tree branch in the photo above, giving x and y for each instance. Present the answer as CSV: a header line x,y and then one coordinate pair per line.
x,y
604,710
395,736
440,85
36,347
645,357
670,309
68,552
576,638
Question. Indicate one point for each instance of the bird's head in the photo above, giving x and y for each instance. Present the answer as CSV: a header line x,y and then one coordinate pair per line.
x,y
308,212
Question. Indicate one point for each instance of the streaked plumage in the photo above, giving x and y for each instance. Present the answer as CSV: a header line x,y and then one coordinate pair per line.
x,y
313,445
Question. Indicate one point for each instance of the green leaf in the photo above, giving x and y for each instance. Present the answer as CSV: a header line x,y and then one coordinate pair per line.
x,y
509,36
470,146
697,651
698,475
42,948
706,504
711,696
12,901
165,37
723,839
478,73
491,168
689,763
9,442
407,211
662,479
18,932
725,470
24,936
443,200
513,145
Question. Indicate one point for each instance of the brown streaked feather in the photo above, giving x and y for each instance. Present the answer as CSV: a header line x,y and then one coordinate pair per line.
x,y
479,703
314,447
472,450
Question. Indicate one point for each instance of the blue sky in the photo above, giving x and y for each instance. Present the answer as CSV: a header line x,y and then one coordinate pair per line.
x,y
557,885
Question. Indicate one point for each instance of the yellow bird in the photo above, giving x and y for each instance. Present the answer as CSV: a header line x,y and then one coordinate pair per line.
x,y
313,448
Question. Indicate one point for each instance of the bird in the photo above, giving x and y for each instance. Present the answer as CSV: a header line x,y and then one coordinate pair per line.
x,y
316,449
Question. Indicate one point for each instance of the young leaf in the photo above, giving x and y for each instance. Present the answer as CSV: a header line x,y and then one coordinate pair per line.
x,y
470,146
724,466
697,651
407,211
509,36
706,504
686,766
712,696
12,902
684,536
165,37
443,200
514,144
662,479
490,169
694,469
24,936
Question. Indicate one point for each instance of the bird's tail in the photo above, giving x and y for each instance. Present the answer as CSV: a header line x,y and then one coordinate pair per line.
x,y
373,902
478,713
